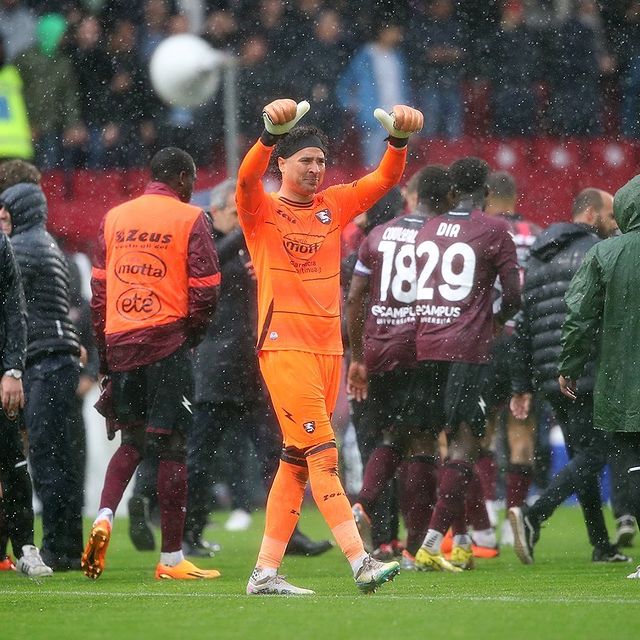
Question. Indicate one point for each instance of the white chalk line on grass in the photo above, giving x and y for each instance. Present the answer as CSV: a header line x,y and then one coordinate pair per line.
x,y
552,599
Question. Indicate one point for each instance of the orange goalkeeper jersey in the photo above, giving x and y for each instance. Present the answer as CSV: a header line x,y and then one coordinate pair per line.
x,y
295,249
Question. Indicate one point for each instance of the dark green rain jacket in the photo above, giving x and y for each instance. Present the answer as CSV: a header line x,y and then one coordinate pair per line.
x,y
604,308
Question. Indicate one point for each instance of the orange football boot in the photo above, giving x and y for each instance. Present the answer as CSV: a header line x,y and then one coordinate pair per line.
x,y
185,570
93,558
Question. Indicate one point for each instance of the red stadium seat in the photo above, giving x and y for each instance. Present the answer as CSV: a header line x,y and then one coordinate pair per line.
x,y
555,168
439,151
512,155
608,164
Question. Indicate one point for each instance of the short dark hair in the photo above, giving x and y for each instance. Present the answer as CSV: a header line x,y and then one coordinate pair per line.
x,y
167,165
588,197
434,185
291,140
502,185
469,175
18,171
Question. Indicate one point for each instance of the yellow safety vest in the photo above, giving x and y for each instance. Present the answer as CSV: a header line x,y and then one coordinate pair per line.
x,y
15,132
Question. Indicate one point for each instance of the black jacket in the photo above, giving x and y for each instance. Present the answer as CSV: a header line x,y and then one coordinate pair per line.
x,y
13,324
555,257
44,274
225,362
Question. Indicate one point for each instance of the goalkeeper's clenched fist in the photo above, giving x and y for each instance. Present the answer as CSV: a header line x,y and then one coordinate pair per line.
x,y
401,122
280,116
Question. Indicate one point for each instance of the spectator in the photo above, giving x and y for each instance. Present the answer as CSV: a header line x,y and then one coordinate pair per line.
x,y
17,26
438,62
130,128
221,29
628,45
52,366
52,96
324,54
515,60
577,61
15,132
153,29
376,76
260,80
94,72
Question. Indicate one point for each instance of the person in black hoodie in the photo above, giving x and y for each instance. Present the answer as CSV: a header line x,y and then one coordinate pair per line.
x,y
555,257
52,366
16,500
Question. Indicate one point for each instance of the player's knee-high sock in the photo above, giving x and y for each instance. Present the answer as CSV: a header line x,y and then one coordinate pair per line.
x,y
283,511
518,482
487,471
476,508
418,479
381,467
121,468
332,501
454,480
172,500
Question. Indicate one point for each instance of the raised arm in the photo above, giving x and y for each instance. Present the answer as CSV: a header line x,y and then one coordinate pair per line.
x,y
279,117
365,192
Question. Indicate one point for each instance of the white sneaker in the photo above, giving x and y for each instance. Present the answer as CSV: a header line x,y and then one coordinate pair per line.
x,y
636,574
506,534
239,520
485,538
374,573
625,531
260,584
31,563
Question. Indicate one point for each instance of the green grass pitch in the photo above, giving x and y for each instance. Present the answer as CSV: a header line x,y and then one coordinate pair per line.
x,y
562,596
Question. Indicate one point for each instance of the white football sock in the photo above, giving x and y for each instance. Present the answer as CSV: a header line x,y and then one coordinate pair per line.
x,y
104,514
432,541
171,558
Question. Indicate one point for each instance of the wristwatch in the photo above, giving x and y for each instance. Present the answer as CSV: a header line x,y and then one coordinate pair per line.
x,y
14,373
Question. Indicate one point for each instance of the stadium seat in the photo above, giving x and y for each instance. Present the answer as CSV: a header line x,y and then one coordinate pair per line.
x,y
555,168
608,164
442,151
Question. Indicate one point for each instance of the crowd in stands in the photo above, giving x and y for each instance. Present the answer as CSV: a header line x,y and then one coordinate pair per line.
x,y
505,68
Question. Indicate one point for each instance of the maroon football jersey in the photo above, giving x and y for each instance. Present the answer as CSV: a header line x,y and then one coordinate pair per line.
x,y
458,257
387,257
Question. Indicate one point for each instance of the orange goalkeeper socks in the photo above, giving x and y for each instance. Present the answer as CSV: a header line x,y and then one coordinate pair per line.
x,y
283,511
333,503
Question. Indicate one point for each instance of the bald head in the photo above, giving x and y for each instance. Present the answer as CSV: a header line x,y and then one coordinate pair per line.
x,y
595,208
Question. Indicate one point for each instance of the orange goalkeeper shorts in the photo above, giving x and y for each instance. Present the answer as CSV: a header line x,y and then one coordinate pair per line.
x,y
304,389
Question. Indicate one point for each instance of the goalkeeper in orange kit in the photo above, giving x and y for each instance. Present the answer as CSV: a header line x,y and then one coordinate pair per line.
x,y
293,237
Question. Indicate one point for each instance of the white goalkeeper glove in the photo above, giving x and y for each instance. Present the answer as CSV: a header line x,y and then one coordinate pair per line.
x,y
280,116
401,122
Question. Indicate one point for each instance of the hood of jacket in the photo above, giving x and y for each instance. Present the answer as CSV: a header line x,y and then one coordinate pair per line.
x,y
557,237
626,206
26,204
